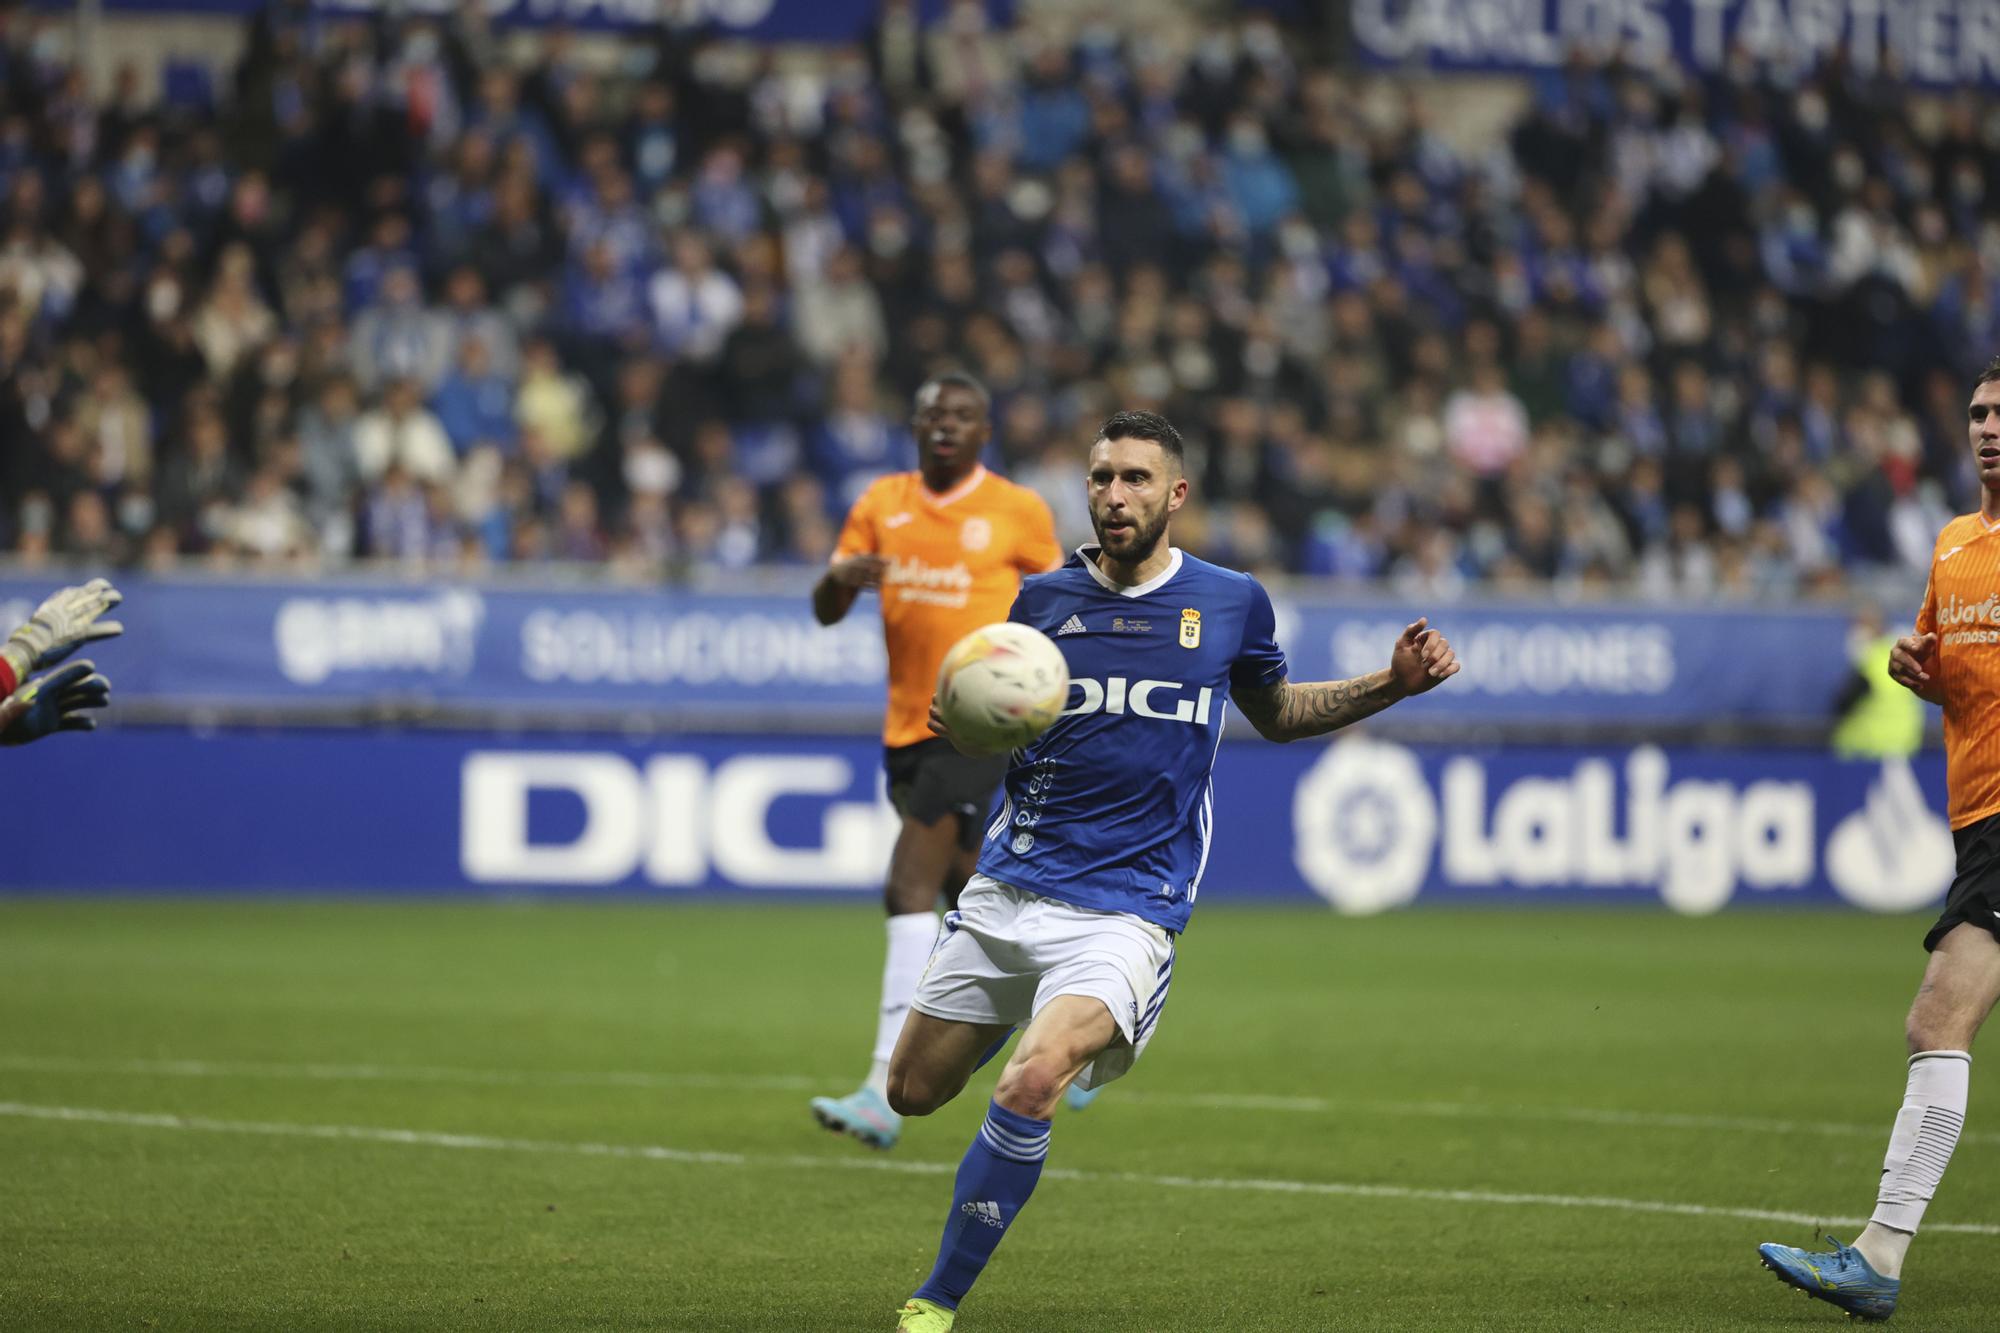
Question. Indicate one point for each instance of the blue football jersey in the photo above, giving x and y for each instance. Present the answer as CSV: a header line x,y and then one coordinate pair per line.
x,y
1112,808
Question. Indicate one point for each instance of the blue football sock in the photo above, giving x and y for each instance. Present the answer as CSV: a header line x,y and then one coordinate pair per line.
x,y
994,1181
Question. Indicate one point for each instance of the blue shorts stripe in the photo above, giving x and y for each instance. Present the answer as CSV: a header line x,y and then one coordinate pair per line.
x,y
1152,1015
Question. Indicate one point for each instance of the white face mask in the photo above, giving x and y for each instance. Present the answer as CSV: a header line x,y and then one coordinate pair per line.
x,y
135,511
163,300
652,471
38,515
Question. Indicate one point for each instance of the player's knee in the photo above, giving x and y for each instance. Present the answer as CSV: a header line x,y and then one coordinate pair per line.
x,y
911,1093
1031,1087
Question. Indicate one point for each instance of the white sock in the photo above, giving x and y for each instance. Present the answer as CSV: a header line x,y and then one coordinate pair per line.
x,y
910,938
1919,1150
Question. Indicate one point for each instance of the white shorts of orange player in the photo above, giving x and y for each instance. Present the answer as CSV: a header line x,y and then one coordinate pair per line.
x,y
1006,953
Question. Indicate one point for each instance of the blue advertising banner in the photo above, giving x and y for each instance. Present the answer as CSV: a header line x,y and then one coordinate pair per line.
x,y
748,660
1363,824
760,20
1934,42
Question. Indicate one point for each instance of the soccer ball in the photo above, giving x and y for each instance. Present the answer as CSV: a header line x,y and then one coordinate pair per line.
x,y
1001,686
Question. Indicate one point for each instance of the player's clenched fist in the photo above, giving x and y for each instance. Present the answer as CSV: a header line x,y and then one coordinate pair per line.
x,y
1422,659
859,571
1913,665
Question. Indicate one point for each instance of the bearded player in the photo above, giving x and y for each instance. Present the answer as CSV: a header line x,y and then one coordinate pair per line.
x,y
1091,865
946,547
1954,660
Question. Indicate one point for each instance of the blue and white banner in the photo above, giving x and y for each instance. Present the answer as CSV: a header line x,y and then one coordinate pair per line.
x,y
759,20
1365,824
1934,42
738,660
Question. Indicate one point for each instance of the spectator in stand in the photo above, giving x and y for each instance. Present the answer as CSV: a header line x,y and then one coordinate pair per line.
x,y
395,338
695,304
475,404
402,433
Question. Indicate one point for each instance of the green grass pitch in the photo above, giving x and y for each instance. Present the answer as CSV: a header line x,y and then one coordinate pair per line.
x,y
440,1116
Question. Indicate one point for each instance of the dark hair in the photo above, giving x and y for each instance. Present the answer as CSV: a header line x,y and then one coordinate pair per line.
x,y
1988,375
958,379
1141,425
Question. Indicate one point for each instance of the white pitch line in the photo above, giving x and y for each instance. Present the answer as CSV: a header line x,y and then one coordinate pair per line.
x,y
347,1073
797,1161
1209,1101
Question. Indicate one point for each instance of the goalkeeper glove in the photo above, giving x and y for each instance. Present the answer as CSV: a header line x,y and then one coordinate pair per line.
x,y
61,625
56,702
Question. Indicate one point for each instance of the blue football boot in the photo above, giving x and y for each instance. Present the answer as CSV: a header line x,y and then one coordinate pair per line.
x,y
1839,1276
862,1115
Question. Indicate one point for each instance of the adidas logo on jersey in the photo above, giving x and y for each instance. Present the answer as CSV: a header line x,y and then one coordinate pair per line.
x,y
1074,625
989,1213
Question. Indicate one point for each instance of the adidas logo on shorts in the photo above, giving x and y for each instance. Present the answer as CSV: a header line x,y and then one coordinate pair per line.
x,y
989,1213
1074,625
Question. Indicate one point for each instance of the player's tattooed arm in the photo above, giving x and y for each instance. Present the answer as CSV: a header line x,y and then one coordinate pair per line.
x,y
1287,711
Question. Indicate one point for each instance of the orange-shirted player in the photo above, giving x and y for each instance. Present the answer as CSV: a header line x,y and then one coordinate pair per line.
x,y
1953,659
946,547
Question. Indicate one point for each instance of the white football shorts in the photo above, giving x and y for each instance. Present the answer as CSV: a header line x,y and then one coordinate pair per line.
x,y
1005,953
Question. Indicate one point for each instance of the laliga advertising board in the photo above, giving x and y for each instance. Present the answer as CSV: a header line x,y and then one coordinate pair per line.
x,y
1365,825
1368,826
1376,825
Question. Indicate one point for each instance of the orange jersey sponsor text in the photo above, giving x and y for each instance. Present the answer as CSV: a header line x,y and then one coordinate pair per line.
x,y
1962,607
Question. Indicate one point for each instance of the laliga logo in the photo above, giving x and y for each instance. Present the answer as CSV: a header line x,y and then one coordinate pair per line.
x,y
1364,824
1893,854
317,636
1367,827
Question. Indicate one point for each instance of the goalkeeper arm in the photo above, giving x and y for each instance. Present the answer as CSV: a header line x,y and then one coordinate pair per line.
x,y
59,701
61,625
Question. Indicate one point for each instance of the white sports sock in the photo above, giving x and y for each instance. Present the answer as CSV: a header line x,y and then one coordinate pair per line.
x,y
910,938
1919,1150
1884,1248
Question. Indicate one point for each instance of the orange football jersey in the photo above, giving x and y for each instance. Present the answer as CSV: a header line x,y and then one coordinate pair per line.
x,y
955,562
1962,607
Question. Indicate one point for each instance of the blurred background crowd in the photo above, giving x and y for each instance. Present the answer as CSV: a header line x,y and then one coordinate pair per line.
x,y
388,293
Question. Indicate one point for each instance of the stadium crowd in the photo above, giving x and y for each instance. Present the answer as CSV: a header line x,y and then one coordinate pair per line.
x,y
388,294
